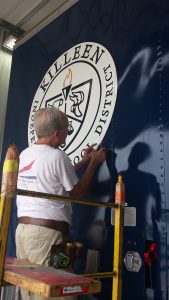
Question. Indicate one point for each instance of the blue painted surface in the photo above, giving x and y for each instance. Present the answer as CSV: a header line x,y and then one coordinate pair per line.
x,y
136,34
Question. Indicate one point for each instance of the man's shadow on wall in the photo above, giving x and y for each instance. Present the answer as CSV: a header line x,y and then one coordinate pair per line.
x,y
142,190
143,193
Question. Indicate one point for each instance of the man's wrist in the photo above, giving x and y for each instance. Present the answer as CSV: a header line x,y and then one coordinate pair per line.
x,y
93,162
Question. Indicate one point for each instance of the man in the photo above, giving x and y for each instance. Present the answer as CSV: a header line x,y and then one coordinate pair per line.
x,y
45,168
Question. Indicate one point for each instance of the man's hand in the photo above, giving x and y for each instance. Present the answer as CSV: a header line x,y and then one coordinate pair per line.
x,y
86,157
88,152
98,156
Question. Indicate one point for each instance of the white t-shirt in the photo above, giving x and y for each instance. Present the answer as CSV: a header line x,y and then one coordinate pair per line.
x,y
45,169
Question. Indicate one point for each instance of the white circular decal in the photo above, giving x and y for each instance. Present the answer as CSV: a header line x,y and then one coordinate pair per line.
x,y
82,82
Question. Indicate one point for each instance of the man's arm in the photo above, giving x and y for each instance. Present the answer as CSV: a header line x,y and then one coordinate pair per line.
x,y
80,189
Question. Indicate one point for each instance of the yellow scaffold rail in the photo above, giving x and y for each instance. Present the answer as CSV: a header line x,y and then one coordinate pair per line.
x,y
8,190
118,240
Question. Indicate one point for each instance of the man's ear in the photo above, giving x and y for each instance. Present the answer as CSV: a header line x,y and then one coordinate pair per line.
x,y
57,133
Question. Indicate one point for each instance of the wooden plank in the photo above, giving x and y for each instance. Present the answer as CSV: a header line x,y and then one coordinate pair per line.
x,y
47,281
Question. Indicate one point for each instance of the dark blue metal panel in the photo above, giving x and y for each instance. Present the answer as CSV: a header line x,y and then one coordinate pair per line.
x,y
136,34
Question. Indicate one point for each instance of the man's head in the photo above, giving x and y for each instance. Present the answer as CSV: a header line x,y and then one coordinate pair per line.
x,y
50,121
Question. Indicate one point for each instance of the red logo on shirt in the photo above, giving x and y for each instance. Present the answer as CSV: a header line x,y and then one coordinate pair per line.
x,y
27,168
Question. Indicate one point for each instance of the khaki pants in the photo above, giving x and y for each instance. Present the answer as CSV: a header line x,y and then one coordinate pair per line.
x,y
34,243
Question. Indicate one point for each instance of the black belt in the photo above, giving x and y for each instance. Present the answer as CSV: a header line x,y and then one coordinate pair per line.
x,y
61,226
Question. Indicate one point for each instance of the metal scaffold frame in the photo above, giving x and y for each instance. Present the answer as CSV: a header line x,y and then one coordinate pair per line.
x,y
9,190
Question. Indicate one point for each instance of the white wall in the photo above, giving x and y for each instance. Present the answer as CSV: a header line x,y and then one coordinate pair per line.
x,y
5,68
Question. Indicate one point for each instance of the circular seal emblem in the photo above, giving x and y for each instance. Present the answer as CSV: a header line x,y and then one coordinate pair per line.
x,y
82,82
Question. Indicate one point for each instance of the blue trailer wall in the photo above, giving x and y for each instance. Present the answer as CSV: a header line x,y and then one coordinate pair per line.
x,y
136,35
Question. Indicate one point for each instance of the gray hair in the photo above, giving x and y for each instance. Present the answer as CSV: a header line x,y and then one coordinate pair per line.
x,y
47,120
